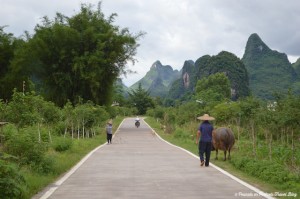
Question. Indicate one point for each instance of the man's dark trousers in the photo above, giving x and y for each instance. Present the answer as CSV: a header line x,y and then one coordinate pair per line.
x,y
205,147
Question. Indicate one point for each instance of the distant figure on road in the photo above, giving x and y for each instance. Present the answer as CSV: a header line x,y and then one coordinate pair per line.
x,y
137,121
204,139
109,131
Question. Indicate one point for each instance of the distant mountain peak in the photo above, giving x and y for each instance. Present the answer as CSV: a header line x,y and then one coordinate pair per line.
x,y
158,79
156,64
256,46
269,71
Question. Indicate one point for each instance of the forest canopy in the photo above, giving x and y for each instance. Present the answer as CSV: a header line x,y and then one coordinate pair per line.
x,y
69,58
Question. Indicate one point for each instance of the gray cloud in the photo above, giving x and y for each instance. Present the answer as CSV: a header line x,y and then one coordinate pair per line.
x,y
178,30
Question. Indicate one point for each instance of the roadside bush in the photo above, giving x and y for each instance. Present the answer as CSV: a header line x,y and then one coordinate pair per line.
x,y
62,144
150,112
179,133
24,145
9,131
59,128
265,170
187,113
46,165
159,112
12,183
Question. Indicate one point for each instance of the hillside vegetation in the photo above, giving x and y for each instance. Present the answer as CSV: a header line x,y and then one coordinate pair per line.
x,y
269,71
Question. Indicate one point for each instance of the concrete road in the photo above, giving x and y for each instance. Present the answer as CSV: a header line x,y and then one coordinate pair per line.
x,y
138,164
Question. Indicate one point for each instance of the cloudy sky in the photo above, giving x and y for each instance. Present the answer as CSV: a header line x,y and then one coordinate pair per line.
x,y
177,30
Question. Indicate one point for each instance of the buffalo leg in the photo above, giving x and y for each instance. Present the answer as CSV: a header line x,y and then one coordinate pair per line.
x,y
225,155
216,154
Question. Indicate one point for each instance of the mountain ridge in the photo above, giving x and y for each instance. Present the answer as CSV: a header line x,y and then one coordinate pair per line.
x,y
261,72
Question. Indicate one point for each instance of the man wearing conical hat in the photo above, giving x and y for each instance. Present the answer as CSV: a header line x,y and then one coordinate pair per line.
x,y
204,139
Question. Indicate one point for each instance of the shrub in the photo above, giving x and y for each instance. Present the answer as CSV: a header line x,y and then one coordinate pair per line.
x,y
45,166
62,144
179,133
265,170
12,183
25,146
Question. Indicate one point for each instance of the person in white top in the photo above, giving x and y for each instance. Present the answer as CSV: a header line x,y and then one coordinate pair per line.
x,y
137,121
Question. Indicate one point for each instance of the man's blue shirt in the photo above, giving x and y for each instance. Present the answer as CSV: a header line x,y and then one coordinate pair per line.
x,y
206,131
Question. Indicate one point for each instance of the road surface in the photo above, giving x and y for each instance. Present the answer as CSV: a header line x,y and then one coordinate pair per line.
x,y
139,164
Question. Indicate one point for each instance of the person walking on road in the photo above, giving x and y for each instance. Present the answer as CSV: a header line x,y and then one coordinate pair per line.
x,y
204,139
109,131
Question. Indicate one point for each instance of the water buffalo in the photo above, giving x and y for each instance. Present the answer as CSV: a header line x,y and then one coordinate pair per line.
x,y
223,139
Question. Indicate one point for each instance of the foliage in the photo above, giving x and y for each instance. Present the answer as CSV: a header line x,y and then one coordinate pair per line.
x,y
12,183
2,110
77,56
188,112
157,112
264,170
30,109
227,111
212,90
269,71
119,93
176,89
140,99
296,66
8,45
62,144
231,66
25,145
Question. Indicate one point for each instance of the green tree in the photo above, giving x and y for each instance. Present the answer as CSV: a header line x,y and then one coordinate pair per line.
x,y
290,113
12,183
78,56
140,99
231,66
8,45
213,89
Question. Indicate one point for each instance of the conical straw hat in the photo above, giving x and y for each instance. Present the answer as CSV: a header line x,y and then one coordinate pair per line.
x,y
109,121
205,117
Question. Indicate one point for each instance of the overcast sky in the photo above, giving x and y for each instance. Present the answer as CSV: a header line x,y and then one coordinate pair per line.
x,y
177,30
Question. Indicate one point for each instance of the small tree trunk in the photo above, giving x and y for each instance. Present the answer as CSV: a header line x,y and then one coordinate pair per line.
x,y
238,122
66,129
72,130
83,130
282,137
287,138
39,132
293,149
270,146
50,138
253,138
78,131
